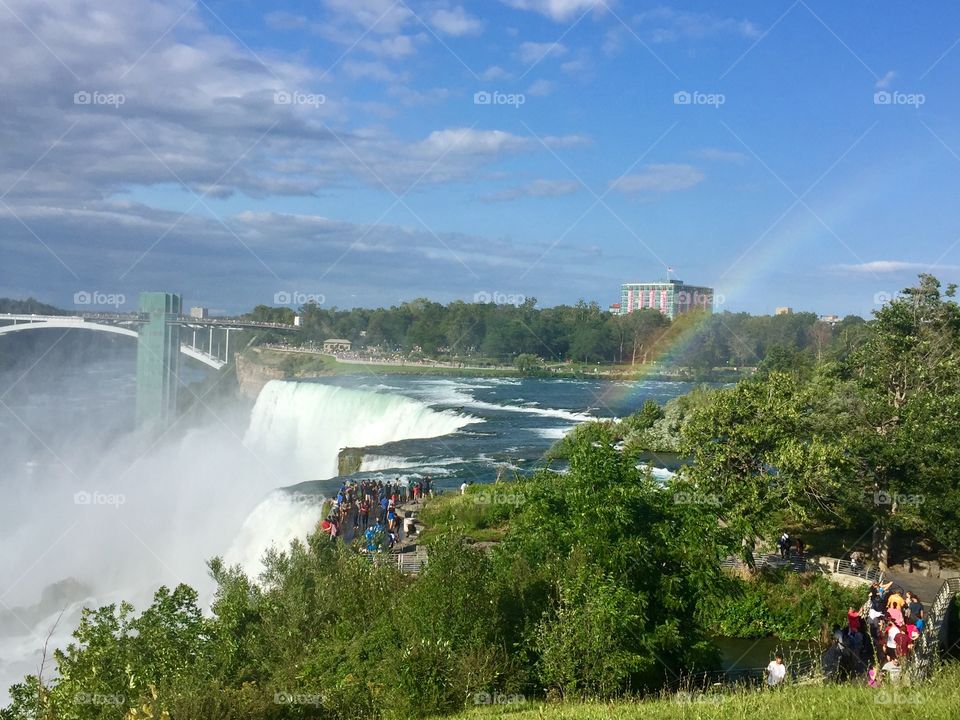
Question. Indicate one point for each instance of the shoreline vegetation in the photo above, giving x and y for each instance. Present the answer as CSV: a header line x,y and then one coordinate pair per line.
x,y
582,590
304,363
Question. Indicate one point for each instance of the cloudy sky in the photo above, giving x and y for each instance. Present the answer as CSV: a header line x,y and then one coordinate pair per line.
x,y
371,151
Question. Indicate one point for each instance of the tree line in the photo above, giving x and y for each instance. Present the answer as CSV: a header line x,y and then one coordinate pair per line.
x,y
582,333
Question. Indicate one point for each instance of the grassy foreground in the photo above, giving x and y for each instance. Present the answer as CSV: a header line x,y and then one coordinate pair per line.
x,y
934,700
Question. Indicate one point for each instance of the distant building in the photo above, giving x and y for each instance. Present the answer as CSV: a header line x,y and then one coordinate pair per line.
x,y
783,311
297,320
200,313
671,297
832,319
614,308
334,345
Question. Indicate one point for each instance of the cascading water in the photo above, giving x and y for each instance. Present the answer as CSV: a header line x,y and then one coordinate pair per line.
x,y
300,429
211,491
303,426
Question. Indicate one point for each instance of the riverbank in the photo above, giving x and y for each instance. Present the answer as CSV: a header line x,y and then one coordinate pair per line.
x,y
302,364
936,699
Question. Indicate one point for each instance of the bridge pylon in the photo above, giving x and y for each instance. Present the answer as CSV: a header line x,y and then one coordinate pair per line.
x,y
158,359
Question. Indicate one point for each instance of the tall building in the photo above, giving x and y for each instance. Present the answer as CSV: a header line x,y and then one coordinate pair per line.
x,y
158,359
783,311
200,313
671,297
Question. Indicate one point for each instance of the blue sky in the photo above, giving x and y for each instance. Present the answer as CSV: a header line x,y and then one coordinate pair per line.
x,y
149,146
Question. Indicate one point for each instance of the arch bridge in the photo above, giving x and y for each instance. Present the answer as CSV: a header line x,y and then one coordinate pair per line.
x,y
163,334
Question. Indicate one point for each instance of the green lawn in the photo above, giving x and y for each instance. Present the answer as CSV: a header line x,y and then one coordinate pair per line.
x,y
935,700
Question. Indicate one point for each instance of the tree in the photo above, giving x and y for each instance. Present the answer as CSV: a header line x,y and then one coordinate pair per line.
x,y
907,435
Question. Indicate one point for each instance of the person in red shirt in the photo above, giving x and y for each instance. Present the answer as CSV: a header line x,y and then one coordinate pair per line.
x,y
853,620
904,643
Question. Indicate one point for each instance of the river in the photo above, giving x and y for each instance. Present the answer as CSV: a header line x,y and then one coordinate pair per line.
x,y
93,512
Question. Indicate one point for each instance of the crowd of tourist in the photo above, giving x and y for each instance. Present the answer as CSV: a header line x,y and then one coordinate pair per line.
x,y
370,508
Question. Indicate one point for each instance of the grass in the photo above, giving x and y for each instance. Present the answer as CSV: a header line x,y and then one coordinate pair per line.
x,y
937,699
467,514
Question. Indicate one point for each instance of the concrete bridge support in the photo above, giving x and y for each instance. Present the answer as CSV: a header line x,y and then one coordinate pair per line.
x,y
158,359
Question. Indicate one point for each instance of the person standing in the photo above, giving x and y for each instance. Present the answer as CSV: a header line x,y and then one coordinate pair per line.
x,y
776,671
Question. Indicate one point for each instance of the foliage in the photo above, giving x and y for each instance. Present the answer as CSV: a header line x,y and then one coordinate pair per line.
x,y
777,602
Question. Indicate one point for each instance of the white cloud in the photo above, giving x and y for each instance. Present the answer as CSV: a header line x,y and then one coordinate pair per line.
x,y
375,16
665,24
535,189
456,22
535,52
494,72
541,88
880,267
884,82
730,156
559,10
662,178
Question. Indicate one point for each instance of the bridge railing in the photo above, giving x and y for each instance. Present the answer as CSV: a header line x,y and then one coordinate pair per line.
x,y
935,628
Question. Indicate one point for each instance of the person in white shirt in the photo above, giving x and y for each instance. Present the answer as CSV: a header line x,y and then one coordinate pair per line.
x,y
463,487
776,671
892,632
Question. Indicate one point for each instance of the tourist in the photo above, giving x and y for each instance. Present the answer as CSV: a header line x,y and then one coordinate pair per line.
x,y
784,544
365,513
853,619
463,487
873,676
892,669
776,671
891,633
903,641
916,610
800,548
895,600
